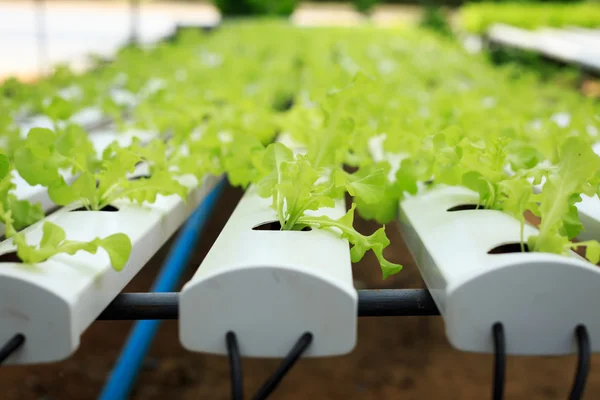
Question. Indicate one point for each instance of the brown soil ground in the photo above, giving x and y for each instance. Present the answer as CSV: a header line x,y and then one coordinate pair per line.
x,y
396,358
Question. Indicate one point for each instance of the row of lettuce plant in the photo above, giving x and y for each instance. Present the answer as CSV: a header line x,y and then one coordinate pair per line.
x,y
478,17
221,100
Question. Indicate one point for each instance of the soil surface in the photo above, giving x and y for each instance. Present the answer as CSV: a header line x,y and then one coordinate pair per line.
x,y
396,358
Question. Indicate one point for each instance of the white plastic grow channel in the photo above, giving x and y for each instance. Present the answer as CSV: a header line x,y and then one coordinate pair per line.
x,y
88,118
511,36
561,45
52,303
271,286
529,293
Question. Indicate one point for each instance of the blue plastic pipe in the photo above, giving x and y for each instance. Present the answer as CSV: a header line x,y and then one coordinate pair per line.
x,y
122,377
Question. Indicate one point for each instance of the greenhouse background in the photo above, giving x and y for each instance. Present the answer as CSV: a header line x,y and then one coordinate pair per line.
x,y
403,347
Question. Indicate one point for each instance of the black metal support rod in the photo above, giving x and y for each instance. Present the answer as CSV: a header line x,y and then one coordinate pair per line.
x,y
141,306
11,346
371,303
395,302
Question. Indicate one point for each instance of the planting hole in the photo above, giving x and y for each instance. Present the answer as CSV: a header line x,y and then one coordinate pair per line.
x,y
510,248
107,208
465,207
10,258
135,178
274,226
283,103
351,169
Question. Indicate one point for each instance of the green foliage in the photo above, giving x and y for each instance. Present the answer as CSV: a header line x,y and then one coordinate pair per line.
x,y
54,241
16,214
292,183
434,18
340,100
98,184
365,6
578,166
478,17
237,8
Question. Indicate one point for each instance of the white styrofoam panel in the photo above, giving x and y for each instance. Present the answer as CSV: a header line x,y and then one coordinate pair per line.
x,y
53,302
269,287
539,298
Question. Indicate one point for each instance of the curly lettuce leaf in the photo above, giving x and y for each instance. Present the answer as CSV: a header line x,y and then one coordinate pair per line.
x,y
147,189
46,152
578,166
292,184
54,241
23,212
376,242
16,214
366,184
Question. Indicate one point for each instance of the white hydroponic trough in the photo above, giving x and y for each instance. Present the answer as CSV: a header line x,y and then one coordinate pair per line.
x,y
52,303
567,45
531,294
539,298
271,286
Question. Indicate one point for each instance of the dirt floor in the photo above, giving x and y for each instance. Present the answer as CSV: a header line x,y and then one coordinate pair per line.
x,y
396,358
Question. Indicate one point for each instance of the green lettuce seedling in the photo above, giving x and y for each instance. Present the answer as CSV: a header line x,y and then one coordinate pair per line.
x,y
98,183
292,184
19,213
54,240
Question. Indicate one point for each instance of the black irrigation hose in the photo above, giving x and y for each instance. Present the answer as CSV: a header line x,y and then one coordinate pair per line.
x,y
499,361
235,363
11,346
288,362
583,362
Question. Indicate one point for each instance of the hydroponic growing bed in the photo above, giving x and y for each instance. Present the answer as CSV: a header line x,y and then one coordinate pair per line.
x,y
458,151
